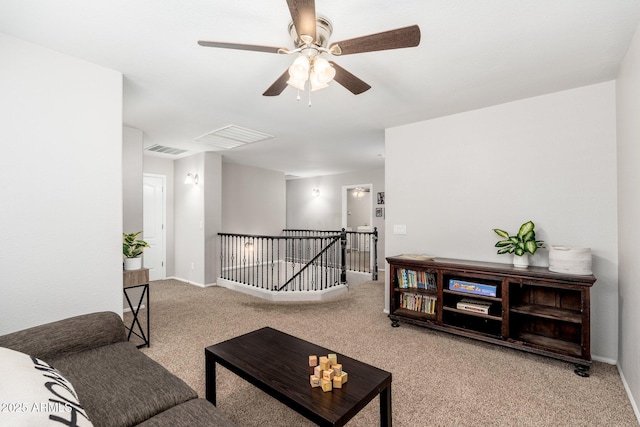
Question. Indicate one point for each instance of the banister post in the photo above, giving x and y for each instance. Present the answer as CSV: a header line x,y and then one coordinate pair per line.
x,y
343,256
375,253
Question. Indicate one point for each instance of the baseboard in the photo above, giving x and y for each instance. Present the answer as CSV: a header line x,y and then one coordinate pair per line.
x,y
604,360
190,282
629,394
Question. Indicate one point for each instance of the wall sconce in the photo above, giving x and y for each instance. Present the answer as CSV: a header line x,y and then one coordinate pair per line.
x,y
316,192
191,179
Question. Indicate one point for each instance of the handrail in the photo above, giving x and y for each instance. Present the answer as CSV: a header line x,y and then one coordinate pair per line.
x,y
297,260
299,273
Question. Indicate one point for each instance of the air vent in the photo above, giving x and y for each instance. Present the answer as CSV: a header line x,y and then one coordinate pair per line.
x,y
165,150
232,136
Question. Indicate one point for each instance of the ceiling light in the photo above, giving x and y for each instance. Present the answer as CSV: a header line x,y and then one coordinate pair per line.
x,y
309,66
323,71
299,70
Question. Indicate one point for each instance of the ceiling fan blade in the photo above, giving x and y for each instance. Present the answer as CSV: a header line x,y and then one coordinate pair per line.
x,y
257,48
278,86
393,39
303,14
348,80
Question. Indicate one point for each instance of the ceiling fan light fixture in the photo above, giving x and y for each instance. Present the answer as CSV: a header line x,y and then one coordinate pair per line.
x,y
323,71
298,84
316,83
299,70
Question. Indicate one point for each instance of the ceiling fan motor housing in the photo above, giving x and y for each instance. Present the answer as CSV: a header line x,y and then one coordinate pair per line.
x,y
324,29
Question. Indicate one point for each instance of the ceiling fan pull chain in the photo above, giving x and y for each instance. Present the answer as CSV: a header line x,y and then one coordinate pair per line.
x,y
309,95
298,96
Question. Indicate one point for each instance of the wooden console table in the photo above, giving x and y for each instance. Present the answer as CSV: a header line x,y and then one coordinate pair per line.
x,y
135,279
530,309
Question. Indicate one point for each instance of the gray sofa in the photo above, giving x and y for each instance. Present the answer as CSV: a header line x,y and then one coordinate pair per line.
x,y
115,382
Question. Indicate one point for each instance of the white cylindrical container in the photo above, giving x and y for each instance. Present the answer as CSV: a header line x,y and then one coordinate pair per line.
x,y
563,259
133,263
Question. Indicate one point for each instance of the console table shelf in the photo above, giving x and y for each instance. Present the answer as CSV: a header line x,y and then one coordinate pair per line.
x,y
530,309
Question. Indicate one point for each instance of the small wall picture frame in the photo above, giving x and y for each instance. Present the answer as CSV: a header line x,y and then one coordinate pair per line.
x,y
379,212
381,198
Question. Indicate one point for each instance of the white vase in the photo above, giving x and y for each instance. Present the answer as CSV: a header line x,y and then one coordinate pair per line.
x,y
133,263
563,259
521,261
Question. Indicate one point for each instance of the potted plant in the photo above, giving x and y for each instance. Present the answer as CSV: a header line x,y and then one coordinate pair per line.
x,y
132,249
520,244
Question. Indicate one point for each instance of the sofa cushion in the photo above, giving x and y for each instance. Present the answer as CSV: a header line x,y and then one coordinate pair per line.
x,y
196,412
72,335
120,386
32,393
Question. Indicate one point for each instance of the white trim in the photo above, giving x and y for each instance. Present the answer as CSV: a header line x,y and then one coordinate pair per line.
x,y
604,360
283,296
629,394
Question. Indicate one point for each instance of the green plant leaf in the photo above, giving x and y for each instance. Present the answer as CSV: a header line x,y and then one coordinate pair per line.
x,y
530,236
525,228
504,250
531,246
514,240
502,243
501,233
519,251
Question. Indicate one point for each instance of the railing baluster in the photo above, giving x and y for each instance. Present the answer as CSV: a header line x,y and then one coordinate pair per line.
x,y
297,260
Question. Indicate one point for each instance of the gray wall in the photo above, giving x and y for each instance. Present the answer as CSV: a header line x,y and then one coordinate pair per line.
x,y
305,211
628,110
253,200
132,161
550,159
197,218
359,210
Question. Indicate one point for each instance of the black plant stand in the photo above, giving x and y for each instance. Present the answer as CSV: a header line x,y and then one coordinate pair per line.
x,y
136,279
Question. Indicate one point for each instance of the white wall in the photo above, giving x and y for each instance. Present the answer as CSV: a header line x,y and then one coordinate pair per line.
x,y
628,109
253,200
305,211
61,211
550,159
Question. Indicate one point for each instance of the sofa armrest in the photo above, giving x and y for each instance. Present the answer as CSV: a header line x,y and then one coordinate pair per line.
x,y
75,334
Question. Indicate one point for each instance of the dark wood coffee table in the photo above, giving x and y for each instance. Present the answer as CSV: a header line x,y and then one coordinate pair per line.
x,y
278,364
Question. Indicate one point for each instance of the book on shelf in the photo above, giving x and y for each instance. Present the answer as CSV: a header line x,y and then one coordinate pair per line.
x,y
418,302
476,306
472,288
416,279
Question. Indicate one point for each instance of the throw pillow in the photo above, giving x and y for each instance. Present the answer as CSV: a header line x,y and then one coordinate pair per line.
x,y
32,393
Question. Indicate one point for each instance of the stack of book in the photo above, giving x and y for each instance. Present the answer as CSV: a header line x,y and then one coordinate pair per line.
x,y
416,279
418,302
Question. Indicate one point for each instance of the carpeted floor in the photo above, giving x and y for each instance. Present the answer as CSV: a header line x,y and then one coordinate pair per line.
x,y
438,379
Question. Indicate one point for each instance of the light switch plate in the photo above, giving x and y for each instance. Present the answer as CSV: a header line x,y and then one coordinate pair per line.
x,y
399,229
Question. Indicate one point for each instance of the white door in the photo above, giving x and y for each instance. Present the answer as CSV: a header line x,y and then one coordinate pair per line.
x,y
154,232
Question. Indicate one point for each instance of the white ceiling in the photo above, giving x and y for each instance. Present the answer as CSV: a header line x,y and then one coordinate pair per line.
x,y
473,53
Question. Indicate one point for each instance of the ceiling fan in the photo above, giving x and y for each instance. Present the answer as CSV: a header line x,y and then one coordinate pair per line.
x,y
310,34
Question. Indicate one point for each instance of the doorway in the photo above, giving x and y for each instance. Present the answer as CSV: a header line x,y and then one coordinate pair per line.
x,y
153,225
357,208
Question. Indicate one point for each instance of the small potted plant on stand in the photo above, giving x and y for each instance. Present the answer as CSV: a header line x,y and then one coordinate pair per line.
x,y
132,249
520,245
